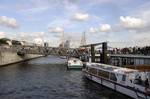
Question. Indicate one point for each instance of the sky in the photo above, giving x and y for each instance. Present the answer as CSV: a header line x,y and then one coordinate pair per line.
x,y
121,23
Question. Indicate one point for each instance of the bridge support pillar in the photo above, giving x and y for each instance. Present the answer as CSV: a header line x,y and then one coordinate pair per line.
x,y
104,58
92,53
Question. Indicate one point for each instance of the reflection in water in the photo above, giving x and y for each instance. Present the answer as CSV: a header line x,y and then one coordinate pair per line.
x,y
48,78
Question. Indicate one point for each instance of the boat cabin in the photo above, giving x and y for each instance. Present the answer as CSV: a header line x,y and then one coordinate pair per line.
x,y
123,76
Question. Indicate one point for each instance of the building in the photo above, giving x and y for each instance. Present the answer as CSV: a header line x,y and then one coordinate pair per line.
x,y
46,44
129,60
83,39
67,44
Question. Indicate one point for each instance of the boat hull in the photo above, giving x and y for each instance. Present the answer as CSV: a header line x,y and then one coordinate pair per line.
x,y
74,63
75,67
117,87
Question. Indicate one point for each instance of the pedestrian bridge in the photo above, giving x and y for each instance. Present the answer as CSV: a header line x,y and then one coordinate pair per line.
x,y
58,51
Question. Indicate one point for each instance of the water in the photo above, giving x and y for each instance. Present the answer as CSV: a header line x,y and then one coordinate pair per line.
x,y
48,78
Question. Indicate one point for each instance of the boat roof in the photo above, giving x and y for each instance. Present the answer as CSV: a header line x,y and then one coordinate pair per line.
x,y
111,68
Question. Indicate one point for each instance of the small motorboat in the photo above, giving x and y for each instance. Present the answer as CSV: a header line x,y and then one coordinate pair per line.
x,y
75,63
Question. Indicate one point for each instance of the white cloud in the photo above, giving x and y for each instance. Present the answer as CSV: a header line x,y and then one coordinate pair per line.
x,y
39,34
142,39
34,10
38,41
144,14
131,22
142,36
56,30
105,28
93,30
2,34
8,22
81,16
36,37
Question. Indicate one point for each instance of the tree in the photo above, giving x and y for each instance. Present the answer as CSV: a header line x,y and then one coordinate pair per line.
x,y
4,41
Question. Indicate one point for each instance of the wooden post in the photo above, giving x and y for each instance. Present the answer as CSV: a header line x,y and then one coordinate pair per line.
x,y
104,53
92,53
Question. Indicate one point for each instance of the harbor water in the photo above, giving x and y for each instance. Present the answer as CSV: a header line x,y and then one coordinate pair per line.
x,y
48,78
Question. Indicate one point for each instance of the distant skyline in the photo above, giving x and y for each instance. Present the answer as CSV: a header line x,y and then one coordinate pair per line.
x,y
102,20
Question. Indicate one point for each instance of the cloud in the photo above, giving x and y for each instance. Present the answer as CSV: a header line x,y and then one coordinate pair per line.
x,y
59,22
93,30
39,34
2,34
144,14
56,30
105,28
131,22
34,10
81,17
142,36
31,37
8,22
37,37
38,41
142,39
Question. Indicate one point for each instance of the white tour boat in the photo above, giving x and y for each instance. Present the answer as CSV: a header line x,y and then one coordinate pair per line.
x,y
133,83
74,63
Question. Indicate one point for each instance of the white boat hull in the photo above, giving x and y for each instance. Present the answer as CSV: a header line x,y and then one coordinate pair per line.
x,y
117,87
74,63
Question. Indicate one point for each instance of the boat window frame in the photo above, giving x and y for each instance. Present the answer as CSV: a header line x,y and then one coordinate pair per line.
x,y
110,75
100,71
124,77
89,70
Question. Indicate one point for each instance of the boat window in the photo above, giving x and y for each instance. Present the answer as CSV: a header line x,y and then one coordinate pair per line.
x,y
139,81
93,70
123,77
113,77
103,74
75,61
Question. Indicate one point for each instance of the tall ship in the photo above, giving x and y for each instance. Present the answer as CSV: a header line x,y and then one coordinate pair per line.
x,y
133,83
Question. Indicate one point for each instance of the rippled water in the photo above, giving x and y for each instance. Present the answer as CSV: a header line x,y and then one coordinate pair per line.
x,y
48,78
